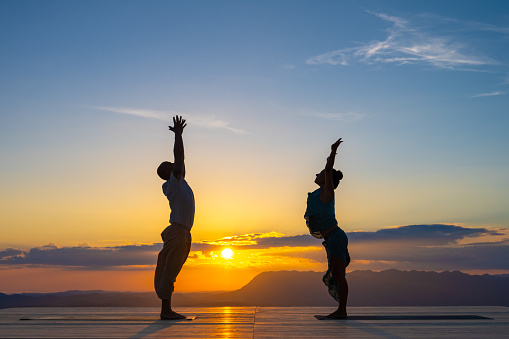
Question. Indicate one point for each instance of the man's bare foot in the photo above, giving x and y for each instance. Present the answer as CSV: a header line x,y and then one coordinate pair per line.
x,y
170,315
339,314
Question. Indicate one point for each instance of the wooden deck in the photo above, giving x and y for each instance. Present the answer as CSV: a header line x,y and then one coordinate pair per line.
x,y
256,322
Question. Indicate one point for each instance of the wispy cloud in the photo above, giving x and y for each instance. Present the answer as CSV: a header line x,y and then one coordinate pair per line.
x,y
167,115
488,94
470,25
347,117
406,44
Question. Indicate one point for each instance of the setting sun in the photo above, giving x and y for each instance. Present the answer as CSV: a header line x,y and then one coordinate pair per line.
x,y
227,253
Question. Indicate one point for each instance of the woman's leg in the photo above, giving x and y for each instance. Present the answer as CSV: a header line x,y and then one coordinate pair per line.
x,y
339,271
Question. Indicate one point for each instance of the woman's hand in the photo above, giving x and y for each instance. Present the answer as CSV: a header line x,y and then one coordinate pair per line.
x,y
335,145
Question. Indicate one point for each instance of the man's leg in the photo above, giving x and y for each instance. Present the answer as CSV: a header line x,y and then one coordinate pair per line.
x,y
339,271
170,261
167,312
164,288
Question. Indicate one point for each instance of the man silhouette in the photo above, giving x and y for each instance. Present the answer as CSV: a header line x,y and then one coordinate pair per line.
x,y
177,236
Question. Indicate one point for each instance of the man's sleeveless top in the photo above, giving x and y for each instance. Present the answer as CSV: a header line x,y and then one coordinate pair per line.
x,y
181,199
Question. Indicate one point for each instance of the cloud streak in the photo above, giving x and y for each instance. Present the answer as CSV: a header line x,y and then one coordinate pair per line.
x,y
406,44
167,116
488,94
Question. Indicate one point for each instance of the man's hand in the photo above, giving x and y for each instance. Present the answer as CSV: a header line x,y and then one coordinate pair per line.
x,y
179,169
335,145
178,125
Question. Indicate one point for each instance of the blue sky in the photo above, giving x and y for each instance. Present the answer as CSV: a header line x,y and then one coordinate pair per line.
x,y
417,89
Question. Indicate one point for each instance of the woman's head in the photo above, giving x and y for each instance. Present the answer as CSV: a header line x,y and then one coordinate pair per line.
x,y
336,177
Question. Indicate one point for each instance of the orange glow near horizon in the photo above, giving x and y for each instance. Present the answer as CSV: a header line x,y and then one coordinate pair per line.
x,y
277,258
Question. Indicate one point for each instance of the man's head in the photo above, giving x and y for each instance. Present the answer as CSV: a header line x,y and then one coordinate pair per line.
x,y
336,177
164,170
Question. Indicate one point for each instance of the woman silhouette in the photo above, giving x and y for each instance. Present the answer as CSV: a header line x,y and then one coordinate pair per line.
x,y
321,220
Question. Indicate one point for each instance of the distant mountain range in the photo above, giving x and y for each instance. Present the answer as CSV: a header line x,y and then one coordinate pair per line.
x,y
292,288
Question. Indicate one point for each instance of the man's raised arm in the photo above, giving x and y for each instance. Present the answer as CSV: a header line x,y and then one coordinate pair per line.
x,y
179,169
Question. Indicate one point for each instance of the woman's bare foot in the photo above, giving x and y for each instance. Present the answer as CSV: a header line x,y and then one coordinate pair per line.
x,y
170,315
338,314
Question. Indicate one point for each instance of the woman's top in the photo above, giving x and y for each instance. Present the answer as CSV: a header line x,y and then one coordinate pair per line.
x,y
320,216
